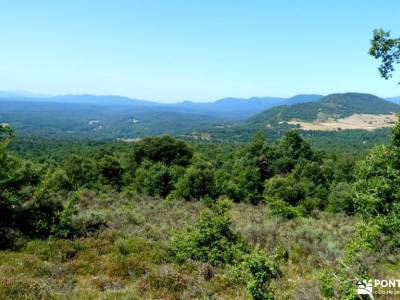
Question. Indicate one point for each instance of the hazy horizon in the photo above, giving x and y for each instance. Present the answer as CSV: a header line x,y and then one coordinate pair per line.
x,y
175,51
30,94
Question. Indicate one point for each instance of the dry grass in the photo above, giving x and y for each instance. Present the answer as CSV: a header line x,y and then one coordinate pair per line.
x,y
130,259
355,121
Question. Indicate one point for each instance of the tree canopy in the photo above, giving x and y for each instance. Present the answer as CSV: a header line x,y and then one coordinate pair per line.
x,y
387,49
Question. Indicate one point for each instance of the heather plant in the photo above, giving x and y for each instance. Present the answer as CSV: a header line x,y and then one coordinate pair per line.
x,y
212,239
257,270
278,207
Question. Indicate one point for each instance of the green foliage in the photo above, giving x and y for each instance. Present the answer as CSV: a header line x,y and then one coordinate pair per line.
x,y
318,172
55,179
17,182
212,240
257,271
63,228
284,188
109,169
6,136
40,216
155,179
250,167
80,171
377,202
293,147
163,149
327,283
41,200
386,49
302,177
198,181
395,135
341,198
283,209
378,177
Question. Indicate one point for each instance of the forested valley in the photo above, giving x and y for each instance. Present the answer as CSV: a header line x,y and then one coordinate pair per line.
x,y
162,218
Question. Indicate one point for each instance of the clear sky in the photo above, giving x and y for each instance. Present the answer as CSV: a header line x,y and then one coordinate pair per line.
x,y
172,50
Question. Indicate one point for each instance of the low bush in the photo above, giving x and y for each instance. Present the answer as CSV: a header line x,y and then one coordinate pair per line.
x,y
257,270
285,188
197,182
212,240
283,209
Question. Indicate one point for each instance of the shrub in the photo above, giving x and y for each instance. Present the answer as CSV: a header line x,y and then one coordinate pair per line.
x,y
63,227
80,171
212,240
148,251
285,188
56,179
311,203
87,223
257,271
109,169
163,149
154,179
232,190
197,182
340,198
283,209
40,216
327,284
290,149
312,171
73,222
250,184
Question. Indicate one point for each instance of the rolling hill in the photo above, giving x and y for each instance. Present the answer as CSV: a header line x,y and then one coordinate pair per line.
x,y
331,107
323,122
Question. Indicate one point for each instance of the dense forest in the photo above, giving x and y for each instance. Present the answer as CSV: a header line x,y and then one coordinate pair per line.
x,y
162,218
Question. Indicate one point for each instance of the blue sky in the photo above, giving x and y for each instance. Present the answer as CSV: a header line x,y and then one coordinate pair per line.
x,y
199,50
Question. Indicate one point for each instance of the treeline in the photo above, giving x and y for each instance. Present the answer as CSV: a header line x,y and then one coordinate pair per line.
x,y
289,175
39,199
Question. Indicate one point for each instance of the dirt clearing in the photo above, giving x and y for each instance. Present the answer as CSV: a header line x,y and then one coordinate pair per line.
x,y
355,121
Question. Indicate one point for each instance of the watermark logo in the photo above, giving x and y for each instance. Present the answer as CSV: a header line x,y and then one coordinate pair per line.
x,y
368,288
365,288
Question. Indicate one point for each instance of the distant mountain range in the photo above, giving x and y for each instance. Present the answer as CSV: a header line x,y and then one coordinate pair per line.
x,y
110,117
226,109
394,99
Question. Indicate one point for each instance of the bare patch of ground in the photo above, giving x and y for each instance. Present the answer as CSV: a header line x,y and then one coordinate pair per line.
x,y
355,121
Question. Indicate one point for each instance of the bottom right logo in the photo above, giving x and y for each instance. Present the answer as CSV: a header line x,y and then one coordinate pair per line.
x,y
365,288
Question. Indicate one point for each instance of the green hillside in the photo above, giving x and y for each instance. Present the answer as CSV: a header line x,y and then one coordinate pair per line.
x,y
332,106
